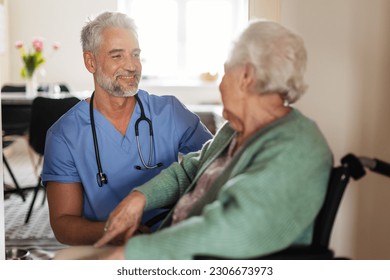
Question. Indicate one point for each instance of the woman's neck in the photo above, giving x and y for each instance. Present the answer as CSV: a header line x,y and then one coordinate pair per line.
x,y
261,111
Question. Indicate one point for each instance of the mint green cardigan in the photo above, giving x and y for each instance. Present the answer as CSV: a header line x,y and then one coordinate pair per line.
x,y
265,200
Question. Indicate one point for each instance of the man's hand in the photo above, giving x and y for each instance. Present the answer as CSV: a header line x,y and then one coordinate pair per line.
x,y
124,219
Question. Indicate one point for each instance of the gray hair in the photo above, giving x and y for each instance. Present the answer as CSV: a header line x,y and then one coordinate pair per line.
x,y
277,55
92,31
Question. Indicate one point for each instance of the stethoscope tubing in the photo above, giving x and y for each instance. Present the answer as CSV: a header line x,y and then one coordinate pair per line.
x,y
101,176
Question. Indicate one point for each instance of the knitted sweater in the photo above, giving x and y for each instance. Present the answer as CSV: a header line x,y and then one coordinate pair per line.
x,y
265,200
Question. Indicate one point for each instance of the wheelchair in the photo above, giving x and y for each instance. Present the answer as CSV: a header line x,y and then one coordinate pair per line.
x,y
351,167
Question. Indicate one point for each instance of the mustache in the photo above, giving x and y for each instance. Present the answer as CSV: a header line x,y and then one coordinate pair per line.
x,y
128,73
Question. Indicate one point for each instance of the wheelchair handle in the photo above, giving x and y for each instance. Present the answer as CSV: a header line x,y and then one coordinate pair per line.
x,y
376,165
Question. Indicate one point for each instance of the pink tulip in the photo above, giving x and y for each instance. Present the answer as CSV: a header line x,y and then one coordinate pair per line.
x,y
19,44
56,45
38,45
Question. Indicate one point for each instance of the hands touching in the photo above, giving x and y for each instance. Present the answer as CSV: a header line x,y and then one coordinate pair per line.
x,y
125,219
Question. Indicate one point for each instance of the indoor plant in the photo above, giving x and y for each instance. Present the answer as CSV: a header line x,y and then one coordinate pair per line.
x,y
32,60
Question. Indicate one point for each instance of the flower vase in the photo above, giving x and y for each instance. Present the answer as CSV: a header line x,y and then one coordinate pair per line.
x,y
31,85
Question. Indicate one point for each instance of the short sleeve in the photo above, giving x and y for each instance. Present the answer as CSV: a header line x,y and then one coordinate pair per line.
x,y
189,128
58,162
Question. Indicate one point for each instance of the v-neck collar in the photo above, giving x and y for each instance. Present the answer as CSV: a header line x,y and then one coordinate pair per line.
x,y
109,130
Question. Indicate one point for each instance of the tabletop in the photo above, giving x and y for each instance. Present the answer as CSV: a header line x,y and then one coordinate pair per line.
x,y
20,98
210,114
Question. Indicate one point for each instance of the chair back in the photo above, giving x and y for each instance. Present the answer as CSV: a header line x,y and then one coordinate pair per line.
x,y
351,167
54,88
13,88
338,181
62,87
45,112
15,118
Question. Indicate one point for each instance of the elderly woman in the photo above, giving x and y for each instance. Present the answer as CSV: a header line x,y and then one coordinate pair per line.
x,y
257,187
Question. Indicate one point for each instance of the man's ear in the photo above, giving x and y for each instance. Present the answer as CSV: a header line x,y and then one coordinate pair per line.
x,y
89,62
247,77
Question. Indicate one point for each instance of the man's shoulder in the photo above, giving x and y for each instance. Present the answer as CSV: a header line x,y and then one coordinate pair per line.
x,y
160,102
145,95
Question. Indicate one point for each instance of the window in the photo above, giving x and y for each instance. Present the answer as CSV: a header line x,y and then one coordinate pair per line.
x,y
184,38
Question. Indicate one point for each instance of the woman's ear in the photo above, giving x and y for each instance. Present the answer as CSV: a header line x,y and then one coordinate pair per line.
x,y
247,78
89,62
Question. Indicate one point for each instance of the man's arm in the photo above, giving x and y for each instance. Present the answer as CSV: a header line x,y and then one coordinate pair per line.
x,y
65,207
189,129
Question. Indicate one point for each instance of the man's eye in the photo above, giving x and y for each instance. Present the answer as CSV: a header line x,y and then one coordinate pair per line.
x,y
116,56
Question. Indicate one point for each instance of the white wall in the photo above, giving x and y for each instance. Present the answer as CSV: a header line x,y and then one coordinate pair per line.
x,y
4,40
267,9
54,21
348,74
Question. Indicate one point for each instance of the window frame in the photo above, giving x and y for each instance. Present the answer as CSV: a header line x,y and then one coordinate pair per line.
x,y
182,72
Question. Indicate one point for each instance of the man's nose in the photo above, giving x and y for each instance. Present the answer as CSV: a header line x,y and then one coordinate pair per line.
x,y
132,63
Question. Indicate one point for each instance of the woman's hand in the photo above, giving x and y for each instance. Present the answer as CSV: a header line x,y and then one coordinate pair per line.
x,y
124,219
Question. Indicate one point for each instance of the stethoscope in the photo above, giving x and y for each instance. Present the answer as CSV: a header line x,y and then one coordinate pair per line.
x,y
101,177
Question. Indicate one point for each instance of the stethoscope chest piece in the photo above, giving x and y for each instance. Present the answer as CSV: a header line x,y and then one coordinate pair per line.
x,y
101,179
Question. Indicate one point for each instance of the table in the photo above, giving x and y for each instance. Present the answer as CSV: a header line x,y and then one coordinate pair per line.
x,y
20,98
210,114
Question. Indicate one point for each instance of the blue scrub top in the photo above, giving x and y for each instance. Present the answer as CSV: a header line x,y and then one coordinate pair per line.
x,y
70,156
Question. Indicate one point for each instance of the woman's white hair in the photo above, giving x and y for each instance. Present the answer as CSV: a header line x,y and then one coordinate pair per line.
x,y
277,55
92,31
